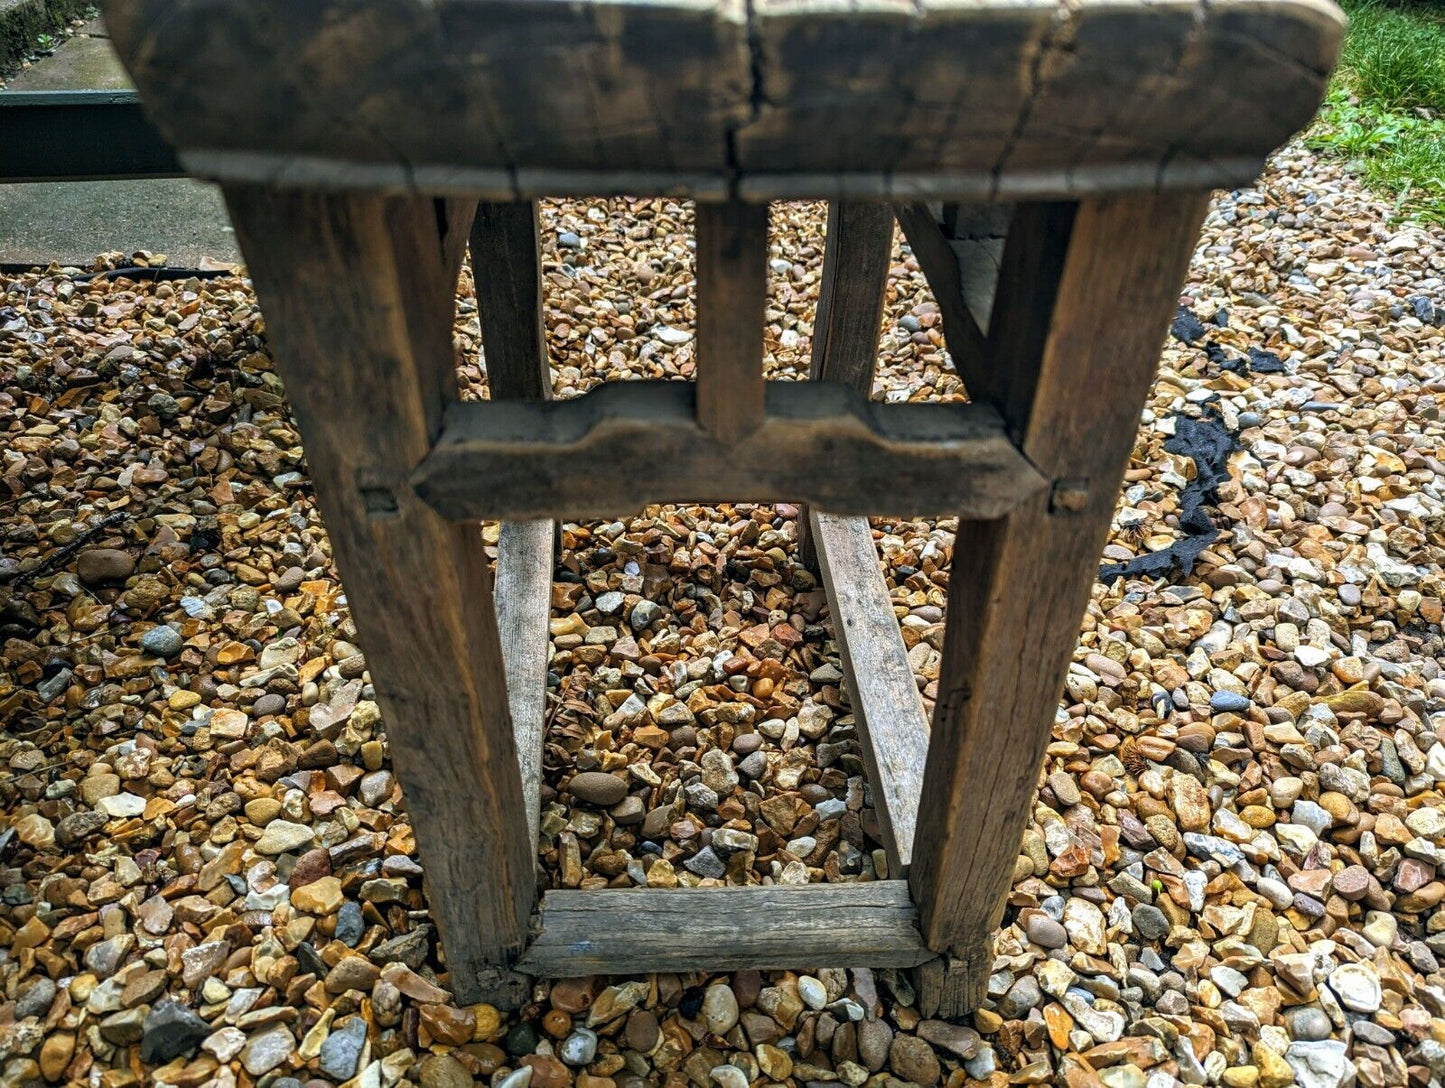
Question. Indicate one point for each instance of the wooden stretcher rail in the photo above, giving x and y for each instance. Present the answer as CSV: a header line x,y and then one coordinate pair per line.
x,y
776,927
522,596
887,709
626,445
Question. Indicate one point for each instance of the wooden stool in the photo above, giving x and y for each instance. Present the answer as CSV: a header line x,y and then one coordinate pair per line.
x,y
1074,144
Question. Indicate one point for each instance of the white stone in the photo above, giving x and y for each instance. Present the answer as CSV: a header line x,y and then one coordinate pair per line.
x,y
225,1044
1228,979
1320,1065
283,836
121,806
1312,816
1105,1025
1054,978
1085,925
579,1048
1380,928
1427,822
517,1078
1276,891
1297,837
1393,572
813,992
1356,986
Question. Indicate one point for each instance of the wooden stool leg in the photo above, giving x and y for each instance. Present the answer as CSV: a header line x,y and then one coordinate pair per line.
x,y
454,224
1083,301
357,292
850,309
507,269
732,292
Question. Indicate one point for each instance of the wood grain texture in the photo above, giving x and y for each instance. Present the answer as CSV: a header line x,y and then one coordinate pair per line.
x,y
732,290
633,931
819,443
1019,584
507,271
891,721
858,245
523,594
942,986
357,294
849,318
773,99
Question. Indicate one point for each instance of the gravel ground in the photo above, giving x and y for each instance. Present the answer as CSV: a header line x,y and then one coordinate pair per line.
x,y
1231,875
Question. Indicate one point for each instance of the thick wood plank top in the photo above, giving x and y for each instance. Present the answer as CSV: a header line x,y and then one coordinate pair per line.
x,y
1010,99
635,931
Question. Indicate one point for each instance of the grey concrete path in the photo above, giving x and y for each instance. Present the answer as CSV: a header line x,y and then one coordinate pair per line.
x,y
71,222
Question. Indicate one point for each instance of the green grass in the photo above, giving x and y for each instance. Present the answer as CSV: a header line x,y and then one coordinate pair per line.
x,y
1385,111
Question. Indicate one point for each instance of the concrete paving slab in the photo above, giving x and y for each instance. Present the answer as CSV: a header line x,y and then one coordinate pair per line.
x,y
72,221
85,62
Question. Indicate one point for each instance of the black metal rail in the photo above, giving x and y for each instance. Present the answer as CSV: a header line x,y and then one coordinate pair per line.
x,y
80,136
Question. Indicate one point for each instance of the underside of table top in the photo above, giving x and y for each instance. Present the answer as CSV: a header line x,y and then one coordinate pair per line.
x,y
773,99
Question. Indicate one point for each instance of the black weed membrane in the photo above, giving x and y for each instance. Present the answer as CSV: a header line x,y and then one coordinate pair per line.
x,y
1209,443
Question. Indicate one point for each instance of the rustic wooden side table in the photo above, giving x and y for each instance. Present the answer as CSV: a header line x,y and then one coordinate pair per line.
x,y
1049,161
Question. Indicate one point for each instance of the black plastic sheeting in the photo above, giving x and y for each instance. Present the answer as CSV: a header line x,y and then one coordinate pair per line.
x,y
1257,361
1188,329
1209,443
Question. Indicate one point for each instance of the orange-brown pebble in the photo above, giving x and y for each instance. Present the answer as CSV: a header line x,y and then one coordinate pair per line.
x,y
490,1057
575,995
557,1023
447,1024
547,1071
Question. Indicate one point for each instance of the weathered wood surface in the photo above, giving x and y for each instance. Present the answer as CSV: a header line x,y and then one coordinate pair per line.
x,y
1083,301
850,310
732,291
507,273
625,445
725,929
357,293
849,317
774,99
887,709
523,594
942,986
